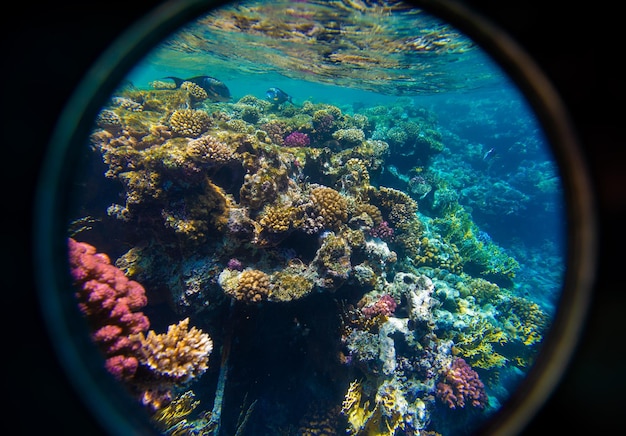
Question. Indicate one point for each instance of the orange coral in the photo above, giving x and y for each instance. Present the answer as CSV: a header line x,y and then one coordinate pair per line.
x,y
178,355
253,286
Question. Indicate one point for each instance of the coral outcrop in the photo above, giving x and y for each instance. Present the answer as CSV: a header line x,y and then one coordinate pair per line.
x,y
111,304
177,356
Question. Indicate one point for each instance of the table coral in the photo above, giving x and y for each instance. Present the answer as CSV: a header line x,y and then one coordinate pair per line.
x,y
111,303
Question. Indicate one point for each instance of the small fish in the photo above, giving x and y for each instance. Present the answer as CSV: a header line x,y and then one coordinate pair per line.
x,y
216,89
490,153
278,96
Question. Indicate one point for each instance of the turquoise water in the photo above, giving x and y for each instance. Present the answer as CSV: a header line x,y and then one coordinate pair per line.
x,y
383,255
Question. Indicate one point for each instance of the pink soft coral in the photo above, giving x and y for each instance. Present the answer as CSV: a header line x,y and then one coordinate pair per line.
x,y
385,306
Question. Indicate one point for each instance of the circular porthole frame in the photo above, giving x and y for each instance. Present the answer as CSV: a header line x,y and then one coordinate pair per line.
x,y
81,359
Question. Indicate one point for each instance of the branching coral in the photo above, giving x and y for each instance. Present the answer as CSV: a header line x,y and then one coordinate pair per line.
x,y
177,356
111,304
253,286
281,219
461,385
190,123
209,150
330,205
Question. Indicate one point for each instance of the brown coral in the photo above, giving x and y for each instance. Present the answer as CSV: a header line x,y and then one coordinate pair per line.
x,y
178,355
280,219
330,205
189,122
196,92
210,150
253,286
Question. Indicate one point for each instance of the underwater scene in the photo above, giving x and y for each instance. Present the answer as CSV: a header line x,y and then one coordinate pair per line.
x,y
317,218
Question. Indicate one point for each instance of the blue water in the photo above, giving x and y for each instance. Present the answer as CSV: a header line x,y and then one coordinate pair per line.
x,y
488,232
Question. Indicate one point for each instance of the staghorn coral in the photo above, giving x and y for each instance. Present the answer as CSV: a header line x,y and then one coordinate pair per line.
x,y
190,123
111,304
330,205
461,385
177,356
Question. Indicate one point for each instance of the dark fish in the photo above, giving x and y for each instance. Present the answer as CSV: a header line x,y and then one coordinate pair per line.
x,y
216,89
278,96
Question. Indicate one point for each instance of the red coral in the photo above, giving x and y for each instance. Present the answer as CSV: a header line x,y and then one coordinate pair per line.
x,y
385,305
110,301
460,384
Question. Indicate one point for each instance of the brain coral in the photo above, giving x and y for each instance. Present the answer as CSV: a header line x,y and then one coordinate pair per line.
x,y
253,286
189,122
178,355
330,205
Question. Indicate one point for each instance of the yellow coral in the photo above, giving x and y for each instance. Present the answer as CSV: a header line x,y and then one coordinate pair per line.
x,y
371,211
189,122
330,205
279,219
291,283
210,150
196,92
253,287
175,411
178,355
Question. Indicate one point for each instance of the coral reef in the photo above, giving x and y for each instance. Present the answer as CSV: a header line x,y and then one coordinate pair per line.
x,y
335,236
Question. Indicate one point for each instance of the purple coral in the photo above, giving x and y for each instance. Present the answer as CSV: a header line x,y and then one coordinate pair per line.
x,y
297,139
235,264
460,384
382,231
